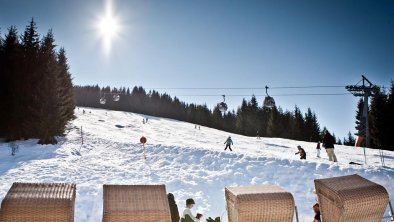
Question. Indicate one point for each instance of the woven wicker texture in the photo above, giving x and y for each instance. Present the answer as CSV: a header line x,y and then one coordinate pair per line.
x,y
259,204
32,202
135,203
353,197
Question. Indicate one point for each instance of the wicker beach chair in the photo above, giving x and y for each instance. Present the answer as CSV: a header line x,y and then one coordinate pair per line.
x,y
39,202
135,203
351,199
259,203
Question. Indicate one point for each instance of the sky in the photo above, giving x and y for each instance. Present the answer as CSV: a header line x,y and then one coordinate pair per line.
x,y
224,44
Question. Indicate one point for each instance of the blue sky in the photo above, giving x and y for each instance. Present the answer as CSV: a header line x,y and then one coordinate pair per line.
x,y
226,44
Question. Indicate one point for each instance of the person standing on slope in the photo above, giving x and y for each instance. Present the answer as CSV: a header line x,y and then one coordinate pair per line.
x,y
328,143
318,149
228,143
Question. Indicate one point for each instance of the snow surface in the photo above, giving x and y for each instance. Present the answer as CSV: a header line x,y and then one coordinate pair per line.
x,y
191,163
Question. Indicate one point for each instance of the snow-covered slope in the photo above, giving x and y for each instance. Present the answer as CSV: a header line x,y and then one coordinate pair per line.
x,y
190,162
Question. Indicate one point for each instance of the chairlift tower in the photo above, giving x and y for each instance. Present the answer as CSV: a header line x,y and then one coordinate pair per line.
x,y
365,90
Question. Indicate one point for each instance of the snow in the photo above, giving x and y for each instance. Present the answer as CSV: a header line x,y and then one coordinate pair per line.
x,y
191,163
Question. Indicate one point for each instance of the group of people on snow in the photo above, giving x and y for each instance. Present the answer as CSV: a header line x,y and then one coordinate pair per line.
x,y
328,144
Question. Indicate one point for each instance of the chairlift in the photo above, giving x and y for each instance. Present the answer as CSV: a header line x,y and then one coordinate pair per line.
x,y
103,100
116,97
269,101
223,106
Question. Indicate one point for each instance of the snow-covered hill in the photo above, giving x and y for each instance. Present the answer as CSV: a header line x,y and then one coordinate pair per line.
x,y
189,161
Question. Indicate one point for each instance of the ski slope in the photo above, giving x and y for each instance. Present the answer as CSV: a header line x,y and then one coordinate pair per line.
x,y
191,163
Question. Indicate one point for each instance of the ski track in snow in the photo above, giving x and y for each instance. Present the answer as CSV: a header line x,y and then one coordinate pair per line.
x,y
190,162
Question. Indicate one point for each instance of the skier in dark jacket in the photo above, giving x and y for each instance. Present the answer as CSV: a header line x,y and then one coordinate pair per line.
x,y
302,153
328,144
228,143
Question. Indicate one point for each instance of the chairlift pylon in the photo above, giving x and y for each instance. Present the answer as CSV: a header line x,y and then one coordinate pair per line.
x,y
223,106
269,101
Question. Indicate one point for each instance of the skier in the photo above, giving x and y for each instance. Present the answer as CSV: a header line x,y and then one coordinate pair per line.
x,y
173,208
318,149
258,135
143,121
228,143
187,215
301,152
146,120
328,143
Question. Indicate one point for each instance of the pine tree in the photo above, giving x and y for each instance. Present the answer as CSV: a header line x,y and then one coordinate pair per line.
x,y
251,118
66,99
312,128
360,120
48,111
349,141
390,117
273,123
28,79
379,117
299,126
2,88
242,118
10,72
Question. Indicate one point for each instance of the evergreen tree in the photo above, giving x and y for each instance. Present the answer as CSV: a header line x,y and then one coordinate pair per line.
x,y
360,120
48,110
242,118
251,117
35,87
390,117
28,79
66,99
299,127
312,129
350,140
273,123
379,117
10,72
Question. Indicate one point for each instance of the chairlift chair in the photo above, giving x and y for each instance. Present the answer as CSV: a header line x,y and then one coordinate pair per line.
x,y
269,101
116,97
223,106
103,100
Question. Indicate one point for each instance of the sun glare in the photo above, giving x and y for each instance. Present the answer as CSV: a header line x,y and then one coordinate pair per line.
x,y
108,27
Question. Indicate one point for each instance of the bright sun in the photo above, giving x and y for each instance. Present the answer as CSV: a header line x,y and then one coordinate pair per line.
x,y
108,27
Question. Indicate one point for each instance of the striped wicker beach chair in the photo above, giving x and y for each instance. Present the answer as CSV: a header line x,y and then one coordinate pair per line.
x,y
135,203
39,202
351,199
259,203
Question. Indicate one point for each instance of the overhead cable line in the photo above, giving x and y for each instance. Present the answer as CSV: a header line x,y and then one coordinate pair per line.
x,y
296,94
234,88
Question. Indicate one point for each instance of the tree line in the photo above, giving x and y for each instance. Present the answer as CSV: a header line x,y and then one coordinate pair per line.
x,y
249,119
36,90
